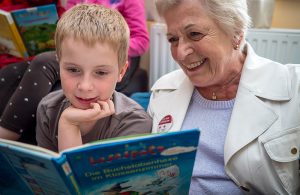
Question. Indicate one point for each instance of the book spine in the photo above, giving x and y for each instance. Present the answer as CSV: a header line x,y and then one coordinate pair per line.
x,y
67,175
18,39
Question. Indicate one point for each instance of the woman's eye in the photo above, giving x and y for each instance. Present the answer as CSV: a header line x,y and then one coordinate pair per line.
x,y
195,36
172,40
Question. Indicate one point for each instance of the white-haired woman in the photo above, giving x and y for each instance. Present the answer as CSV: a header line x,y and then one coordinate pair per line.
x,y
247,107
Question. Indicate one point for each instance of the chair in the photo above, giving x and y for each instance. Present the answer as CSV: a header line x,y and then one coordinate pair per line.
x,y
142,98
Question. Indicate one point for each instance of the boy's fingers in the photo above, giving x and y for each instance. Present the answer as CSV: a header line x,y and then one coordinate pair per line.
x,y
104,106
107,107
111,106
96,107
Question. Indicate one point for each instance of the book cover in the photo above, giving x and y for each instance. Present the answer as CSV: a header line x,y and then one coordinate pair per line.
x,y
150,164
37,27
10,37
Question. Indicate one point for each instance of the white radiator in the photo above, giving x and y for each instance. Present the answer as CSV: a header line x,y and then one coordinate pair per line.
x,y
281,45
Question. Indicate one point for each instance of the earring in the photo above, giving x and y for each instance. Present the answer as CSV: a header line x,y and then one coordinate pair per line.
x,y
236,42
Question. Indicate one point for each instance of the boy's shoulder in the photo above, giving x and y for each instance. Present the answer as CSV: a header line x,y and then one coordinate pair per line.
x,y
129,118
53,99
125,104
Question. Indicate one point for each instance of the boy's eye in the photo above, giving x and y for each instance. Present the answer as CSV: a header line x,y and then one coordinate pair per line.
x,y
73,70
195,36
101,73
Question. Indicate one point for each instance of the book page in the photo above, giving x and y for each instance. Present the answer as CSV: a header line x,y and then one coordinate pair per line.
x,y
43,151
31,170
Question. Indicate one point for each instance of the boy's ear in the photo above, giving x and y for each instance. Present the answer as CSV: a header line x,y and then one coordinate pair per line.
x,y
123,71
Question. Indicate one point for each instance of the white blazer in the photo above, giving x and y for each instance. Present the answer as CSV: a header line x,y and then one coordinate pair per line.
x,y
261,151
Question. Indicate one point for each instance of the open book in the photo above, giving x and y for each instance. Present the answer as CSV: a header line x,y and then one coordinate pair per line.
x,y
144,165
28,31
10,36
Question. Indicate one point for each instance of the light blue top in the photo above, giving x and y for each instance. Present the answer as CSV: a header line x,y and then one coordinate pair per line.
x,y
212,118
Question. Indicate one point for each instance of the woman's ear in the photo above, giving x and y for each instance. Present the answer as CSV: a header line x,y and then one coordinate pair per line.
x,y
237,39
123,71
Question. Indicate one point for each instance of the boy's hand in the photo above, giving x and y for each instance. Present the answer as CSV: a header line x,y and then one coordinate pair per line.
x,y
76,117
73,120
97,111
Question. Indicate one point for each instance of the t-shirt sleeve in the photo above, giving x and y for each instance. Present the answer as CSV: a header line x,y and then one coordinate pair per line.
x,y
43,133
134,122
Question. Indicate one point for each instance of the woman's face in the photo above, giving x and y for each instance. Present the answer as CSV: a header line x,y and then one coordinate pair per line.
x,y
202,49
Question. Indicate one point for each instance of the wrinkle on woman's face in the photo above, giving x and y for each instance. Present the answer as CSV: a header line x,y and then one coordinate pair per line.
x,y
202,49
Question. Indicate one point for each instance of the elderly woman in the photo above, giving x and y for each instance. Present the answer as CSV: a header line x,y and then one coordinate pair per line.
x,y
246,106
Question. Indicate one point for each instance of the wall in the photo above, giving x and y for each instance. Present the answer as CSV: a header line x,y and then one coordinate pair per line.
x,y
286,14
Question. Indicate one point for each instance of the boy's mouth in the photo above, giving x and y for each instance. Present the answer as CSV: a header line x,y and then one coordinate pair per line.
x,y
87,101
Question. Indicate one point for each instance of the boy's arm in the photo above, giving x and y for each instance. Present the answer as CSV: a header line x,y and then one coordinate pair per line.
x,y
69,134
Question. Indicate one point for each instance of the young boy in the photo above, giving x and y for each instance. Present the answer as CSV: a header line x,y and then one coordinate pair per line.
x,y
91,46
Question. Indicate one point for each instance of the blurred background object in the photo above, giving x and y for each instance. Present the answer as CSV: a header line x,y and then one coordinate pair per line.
x,y
261,12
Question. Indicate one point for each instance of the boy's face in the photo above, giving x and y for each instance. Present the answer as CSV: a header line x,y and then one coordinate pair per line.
x,y
88,73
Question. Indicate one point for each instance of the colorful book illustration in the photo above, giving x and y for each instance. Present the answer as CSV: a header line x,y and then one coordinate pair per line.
x,y
136,165
37,27
10,37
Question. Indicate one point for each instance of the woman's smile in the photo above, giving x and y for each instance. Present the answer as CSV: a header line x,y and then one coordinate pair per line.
x,y
195,65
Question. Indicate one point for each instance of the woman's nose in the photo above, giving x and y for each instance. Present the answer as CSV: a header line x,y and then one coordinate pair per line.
x,y
183,50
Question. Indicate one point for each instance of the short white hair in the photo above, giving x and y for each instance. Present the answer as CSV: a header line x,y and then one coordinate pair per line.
x,y
231,15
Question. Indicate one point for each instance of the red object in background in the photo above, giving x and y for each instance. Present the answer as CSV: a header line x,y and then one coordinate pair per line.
x,y
59,8
6,59
9,5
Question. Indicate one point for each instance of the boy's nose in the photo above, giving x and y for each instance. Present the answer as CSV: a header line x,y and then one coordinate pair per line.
x,y
85,84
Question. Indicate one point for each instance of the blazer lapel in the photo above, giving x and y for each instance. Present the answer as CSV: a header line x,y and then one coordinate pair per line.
x,y
250,118
175,105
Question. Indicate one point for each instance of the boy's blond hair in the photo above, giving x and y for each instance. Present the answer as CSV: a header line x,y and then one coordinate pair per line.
x,y
93,23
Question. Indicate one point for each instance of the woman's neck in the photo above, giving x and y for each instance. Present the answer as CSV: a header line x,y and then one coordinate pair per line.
x,y
221,92
227,88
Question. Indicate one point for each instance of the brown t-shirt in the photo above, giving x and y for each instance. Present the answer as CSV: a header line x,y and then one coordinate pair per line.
x,y
129,118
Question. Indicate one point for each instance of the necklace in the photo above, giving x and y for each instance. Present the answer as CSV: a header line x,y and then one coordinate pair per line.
x,y
214,93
